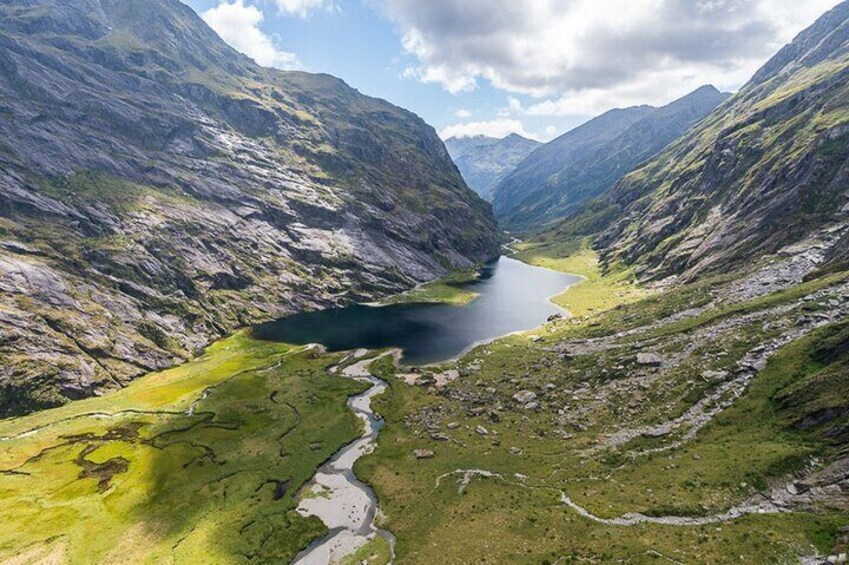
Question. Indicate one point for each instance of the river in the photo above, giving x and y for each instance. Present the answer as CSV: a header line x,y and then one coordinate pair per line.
x,y
513,296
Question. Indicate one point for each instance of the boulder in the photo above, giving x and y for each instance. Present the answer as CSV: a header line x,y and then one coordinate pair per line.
x,y
714,376
524,396
649,360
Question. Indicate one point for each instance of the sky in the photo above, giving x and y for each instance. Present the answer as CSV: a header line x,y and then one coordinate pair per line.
x,y
533,67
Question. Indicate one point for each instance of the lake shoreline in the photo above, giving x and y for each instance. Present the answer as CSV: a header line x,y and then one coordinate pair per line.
x,y
514,297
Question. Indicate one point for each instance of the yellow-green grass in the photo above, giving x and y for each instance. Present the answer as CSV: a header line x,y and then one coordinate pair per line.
x,y
376,552
447,290
132,477
598,292
519,518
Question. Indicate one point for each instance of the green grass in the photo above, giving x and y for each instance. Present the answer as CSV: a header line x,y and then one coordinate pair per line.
x,y
153,483
447,290
598,292
748,448
376,552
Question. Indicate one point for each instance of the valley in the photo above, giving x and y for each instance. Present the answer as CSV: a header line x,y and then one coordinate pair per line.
x,y
692,410
252,315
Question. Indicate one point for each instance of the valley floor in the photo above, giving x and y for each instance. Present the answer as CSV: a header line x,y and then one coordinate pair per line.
x,y
703,424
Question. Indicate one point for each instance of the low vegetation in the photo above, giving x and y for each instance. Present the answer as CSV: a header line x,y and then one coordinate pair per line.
x,y
494,486
447,290
201,463
598,292
205,462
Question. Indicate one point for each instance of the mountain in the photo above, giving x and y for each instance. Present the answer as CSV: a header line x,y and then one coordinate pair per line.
x,y
555,180
485,161
158,190
764,171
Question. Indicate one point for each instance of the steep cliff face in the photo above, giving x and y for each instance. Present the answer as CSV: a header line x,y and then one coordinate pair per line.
x,y
558,178
766,169
157,190
486,161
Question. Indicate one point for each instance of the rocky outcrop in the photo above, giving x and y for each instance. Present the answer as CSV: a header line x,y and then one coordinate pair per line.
x,y
762,172
158,190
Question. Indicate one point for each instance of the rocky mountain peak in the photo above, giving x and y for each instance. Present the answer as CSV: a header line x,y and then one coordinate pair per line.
x,y
158,190
827,38
485,161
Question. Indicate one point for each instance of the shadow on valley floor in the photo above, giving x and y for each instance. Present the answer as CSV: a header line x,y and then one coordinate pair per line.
x,y
211,482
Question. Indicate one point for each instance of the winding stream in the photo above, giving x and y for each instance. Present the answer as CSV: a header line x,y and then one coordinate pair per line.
x,y
513,296
346,505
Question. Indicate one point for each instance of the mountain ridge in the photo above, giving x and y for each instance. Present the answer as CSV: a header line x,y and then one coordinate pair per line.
x,y
761,173
163,190
554,181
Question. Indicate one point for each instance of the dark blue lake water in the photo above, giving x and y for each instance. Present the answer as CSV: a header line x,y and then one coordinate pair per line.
x,y
514,297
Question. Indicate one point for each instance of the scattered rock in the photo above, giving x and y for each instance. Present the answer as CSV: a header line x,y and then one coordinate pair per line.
x,y
480,430
649,360
423,454
524,396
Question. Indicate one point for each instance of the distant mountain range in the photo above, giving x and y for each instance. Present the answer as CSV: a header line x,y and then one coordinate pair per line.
x,y
159,189
556,179
486,161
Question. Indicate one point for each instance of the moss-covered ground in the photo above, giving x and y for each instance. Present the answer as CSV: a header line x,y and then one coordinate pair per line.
x,y
198,464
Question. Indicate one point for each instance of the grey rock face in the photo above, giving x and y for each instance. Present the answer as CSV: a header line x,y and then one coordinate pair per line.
x,y
763,172
159,190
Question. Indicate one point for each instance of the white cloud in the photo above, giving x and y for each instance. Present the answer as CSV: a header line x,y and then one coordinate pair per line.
x,y
551,132
463,114
303,8
586,56
238,25
493,128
